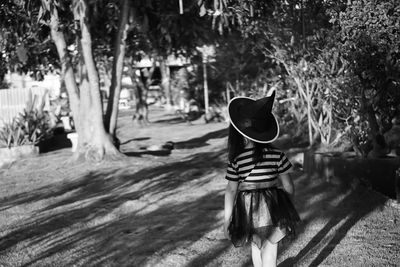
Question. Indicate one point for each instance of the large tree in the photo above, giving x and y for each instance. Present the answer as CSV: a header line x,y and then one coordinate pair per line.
x,y
81,37
119,51
82,83
60,32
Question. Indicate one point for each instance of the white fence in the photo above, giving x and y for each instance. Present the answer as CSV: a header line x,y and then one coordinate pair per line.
x,y
13,101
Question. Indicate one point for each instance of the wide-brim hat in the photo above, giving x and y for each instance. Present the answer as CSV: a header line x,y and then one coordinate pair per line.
x,y
254,119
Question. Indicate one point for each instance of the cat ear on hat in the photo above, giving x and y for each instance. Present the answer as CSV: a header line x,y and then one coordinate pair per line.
x,y
263,106
270,101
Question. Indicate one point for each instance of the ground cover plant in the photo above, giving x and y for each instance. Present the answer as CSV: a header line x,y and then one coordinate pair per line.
x,y
29,127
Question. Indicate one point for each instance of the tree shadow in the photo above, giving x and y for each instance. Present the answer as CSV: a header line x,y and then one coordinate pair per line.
x,y
206,257
152,180
99,193
169,118
135,139
342,204
174,120
356,205
162,152
201,141
125,217
132,239
55,142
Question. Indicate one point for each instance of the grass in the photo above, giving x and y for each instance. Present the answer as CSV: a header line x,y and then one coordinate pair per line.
x,y
167,209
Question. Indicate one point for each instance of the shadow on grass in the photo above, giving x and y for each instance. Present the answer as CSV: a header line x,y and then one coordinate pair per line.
x,y
92,199
124,218
201,141
342,210
205,258
132,239
103,183
162,152
135,139
174,120
169,118
188,144
316,199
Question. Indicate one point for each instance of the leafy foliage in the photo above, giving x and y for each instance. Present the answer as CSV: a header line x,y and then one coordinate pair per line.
x,y
369,40
24,44
339,60
29,127
336,64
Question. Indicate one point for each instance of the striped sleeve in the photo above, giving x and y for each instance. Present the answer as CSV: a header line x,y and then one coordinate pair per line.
x,y
284,164
232,173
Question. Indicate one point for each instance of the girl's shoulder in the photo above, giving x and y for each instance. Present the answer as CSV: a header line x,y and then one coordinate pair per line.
x,y
245,153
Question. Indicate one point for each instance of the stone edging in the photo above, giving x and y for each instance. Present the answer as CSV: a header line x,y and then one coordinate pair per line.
x,y
379,173
10,155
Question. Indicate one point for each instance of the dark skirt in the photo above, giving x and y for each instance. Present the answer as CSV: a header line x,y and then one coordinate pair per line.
x,y
263,212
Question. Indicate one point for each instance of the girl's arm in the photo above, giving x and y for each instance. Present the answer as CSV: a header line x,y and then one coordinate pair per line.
x,y
230,193
287,183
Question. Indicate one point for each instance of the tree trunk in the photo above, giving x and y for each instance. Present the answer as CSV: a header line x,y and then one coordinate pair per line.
x,y
105,74
141,108
166,81
85,101
94,142
309,119
371,116
117,69
205,84
66,68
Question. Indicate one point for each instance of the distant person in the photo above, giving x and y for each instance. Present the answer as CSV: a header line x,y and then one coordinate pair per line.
x,y
258,206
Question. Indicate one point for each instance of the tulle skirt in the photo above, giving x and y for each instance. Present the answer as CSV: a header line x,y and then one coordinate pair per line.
x,y
268,213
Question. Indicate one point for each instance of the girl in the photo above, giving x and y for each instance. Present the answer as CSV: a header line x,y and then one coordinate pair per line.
x,y
257,208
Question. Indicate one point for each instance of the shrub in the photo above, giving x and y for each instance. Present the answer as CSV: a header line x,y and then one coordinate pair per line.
x,y
12,135
369,39
28,128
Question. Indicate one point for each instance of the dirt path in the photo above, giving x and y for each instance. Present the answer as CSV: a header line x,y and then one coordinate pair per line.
x,y
161,209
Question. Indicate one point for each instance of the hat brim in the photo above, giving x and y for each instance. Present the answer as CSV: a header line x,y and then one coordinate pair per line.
x,y
268,136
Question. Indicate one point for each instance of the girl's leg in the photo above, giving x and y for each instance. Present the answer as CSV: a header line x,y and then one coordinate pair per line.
x,y
269,253
256,252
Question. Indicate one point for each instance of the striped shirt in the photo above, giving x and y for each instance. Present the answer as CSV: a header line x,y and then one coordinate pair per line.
x,y
243,168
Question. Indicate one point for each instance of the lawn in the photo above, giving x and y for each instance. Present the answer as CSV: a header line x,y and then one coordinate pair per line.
x,y
161,208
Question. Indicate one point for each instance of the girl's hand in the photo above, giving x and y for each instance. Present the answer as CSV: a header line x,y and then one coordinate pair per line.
x,y
226,232
230,193
287,183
